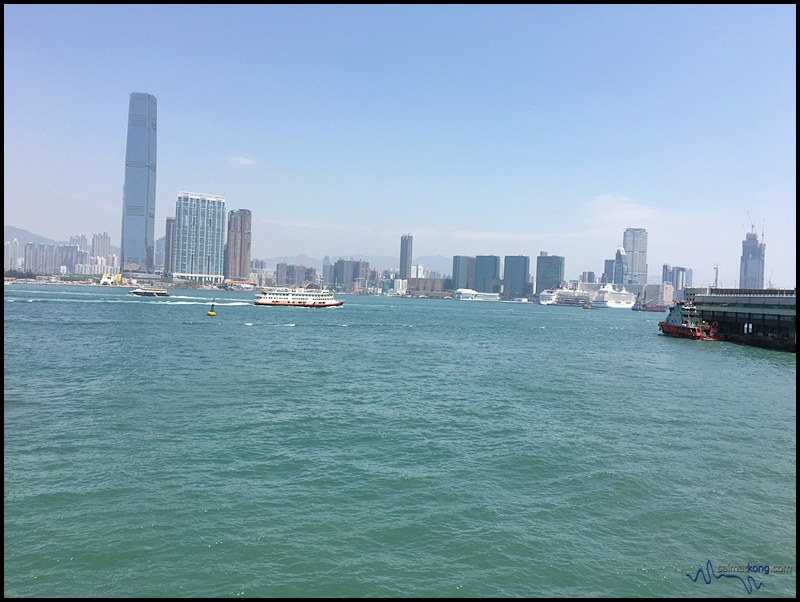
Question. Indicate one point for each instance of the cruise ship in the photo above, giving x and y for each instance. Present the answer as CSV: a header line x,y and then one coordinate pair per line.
x,y
607,296
467,294
564,296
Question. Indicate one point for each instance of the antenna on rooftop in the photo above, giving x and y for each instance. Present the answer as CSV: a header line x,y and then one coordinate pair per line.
x,y
752,223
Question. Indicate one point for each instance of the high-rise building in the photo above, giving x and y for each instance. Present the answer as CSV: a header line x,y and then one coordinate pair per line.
x,y
621,270
406,242
10,255
101,246
751,269
237,247
487,273
139,191
169,245
549,271
463,272
199,246
517,275
608,272
676,276
634,241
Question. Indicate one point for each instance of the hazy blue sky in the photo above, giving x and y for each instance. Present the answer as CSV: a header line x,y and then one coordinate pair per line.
x,y
503,130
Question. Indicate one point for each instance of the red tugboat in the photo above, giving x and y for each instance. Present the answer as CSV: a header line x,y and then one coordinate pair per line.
x,y
684,321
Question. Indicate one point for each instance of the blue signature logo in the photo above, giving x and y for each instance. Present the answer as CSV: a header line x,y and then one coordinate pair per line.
x,y
749,584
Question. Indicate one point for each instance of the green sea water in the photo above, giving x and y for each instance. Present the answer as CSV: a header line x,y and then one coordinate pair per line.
x,y
387,448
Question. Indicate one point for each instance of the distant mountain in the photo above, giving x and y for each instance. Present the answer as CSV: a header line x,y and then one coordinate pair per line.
x,y
437,263
24,237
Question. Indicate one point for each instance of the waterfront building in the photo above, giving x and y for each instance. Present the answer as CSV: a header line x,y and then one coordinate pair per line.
x,y
517,274
487,271
634,241
751,268
139,191
463,272
199,238
237,247
549,271
406,242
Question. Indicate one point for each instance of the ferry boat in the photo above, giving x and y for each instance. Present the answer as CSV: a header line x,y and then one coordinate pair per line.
x,y
684,321
564,296
296,297
607,296
467,294
149,292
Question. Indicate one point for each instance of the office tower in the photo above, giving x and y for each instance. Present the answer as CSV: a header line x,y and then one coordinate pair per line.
x,y
666,273
405,256
549,271
169,246
237,248
139,190
608,272
620,267
199,249
634,241
463,272
487,273
517,274
751,269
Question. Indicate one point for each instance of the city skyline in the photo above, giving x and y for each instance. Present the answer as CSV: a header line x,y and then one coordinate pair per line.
x,y
511,130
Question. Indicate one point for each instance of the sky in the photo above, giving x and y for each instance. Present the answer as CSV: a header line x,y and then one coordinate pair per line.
x,y
478,129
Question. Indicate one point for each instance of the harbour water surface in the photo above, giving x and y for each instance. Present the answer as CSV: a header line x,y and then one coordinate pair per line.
x,y
390,447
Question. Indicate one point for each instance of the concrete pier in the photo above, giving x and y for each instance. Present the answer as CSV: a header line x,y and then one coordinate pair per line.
x,y
759,317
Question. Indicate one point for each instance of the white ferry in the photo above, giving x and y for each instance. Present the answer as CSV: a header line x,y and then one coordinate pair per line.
x,y
144,291
608,297
296,297
467,294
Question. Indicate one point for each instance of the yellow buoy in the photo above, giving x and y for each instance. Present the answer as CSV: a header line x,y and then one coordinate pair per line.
x,y
212,312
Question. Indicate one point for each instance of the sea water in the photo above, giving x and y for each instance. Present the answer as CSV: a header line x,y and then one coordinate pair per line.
x,y
390,447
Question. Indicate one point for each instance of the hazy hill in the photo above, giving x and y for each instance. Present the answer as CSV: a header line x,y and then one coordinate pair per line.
x,y
443,265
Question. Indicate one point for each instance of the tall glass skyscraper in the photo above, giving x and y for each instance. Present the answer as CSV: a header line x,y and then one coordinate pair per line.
x,y
751,268
406,242
517,274
463,272
487,273
199,245
139,190
634,241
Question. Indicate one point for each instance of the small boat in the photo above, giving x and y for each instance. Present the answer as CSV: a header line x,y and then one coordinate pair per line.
x,y
143,291
296,297
684,321
211,312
